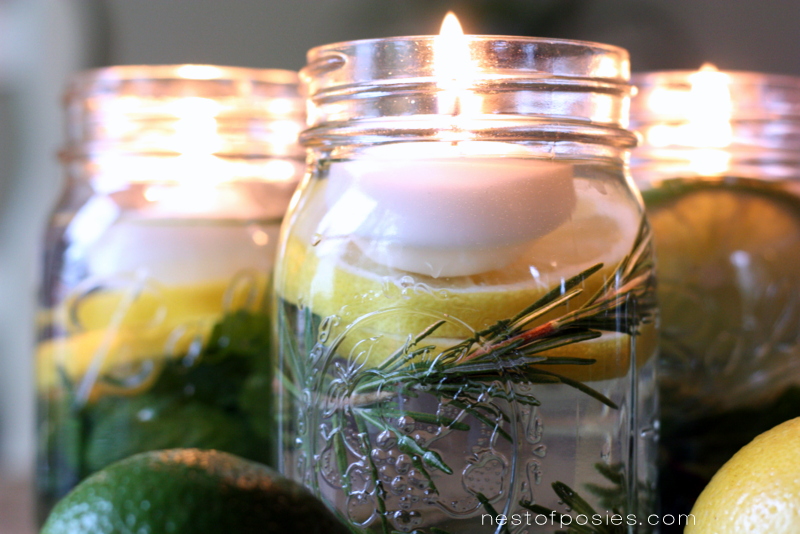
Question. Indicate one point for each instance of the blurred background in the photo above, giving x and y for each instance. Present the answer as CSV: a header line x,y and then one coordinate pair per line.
x,y
43,41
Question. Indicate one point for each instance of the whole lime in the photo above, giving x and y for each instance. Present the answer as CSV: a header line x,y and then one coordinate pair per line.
x,y
189,491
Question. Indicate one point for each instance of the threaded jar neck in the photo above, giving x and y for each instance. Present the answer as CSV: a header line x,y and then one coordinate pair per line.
x,y
180,124
712,123
495,87
169,109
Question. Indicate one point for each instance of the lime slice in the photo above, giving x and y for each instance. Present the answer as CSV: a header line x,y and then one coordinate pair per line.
x,y
729,276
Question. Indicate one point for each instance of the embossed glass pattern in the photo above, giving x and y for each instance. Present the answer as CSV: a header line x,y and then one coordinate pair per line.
x,y
464,291
153,327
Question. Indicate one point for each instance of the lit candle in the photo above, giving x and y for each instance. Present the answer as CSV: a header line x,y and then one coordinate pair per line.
x,y
451,208
462,189
699,120
191,169
155,305
180,213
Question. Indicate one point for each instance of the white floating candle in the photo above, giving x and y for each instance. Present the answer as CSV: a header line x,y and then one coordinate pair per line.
x,y
443,209
183,235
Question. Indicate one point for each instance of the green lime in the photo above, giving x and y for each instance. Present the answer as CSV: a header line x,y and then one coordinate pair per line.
x,y
189,491
728,254
127,426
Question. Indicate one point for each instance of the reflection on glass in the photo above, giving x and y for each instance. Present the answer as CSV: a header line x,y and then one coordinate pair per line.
x,y
153,325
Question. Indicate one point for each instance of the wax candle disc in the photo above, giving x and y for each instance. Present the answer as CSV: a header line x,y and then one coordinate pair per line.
x,y
447,217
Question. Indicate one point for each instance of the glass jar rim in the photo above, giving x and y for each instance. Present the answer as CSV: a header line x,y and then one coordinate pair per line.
x,y
201,80
145,108
497,57
753,95
314,51
740,77
517,84
737,123
189,71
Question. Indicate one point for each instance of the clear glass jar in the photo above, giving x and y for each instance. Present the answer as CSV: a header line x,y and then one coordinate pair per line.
x,y
465,288
719,169
153,325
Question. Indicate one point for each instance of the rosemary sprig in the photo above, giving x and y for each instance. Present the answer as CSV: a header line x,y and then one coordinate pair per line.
x,y
577,504
465,375
491,511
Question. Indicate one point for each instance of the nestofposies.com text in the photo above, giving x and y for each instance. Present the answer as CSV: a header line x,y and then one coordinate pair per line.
x,y
562,520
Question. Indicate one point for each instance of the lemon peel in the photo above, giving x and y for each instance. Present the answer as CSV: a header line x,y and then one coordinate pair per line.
x,y
756,491
153,327
399,307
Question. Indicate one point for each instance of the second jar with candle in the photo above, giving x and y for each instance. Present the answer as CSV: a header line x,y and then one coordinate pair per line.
x,y
153,322
720,173
465,289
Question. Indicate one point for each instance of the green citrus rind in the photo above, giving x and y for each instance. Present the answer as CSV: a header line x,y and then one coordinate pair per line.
x,y
190,491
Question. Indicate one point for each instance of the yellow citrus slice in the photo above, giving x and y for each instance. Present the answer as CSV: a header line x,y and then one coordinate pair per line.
x,y
118,328
756,491
612,352
333,279
71,356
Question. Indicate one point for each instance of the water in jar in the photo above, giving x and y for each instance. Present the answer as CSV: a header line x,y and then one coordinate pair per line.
x,y
154,333
729,290
445,361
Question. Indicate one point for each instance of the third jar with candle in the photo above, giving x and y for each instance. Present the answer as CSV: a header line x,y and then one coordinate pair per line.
x,y
465,288
720,174
153,326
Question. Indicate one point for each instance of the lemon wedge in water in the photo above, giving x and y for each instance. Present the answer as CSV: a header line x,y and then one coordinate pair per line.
x,y
383,308
116,329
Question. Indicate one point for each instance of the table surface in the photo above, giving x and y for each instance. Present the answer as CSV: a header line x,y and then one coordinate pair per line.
x,y
16,507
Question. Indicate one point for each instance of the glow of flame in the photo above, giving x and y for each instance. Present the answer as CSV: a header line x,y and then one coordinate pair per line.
x,y
199,72
705,120
710,108
196,126
196,138
259,237
454,69
280,106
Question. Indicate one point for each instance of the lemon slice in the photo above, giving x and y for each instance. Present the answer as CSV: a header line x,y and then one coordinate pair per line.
x,y
333,279
612,352
117,330
73,355
140,309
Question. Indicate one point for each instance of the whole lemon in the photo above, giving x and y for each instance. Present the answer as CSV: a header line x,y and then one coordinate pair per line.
x,y
757,491
190,491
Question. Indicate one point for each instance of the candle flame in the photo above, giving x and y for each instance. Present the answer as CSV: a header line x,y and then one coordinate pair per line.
x,y
450,25
199,72
453,67
704,111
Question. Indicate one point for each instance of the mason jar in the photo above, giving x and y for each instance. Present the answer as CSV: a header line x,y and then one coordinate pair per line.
x,y
719,168
153,320
464,290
